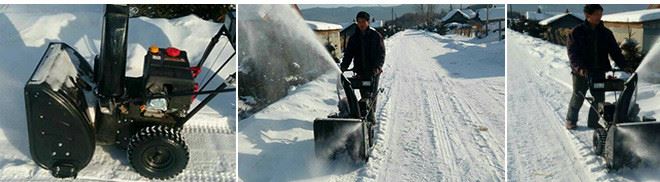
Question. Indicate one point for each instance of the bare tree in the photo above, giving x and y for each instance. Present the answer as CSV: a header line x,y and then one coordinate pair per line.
x,y
430,11
421,12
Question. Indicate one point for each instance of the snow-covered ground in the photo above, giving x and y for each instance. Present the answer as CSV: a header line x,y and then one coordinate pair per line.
x,y
539,89
26,30
441,118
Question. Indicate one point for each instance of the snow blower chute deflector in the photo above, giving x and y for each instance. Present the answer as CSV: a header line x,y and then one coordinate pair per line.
x,y
621,137
72,106
350,129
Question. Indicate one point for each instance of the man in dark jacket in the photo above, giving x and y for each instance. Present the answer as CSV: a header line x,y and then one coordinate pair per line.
x,y
589,45
366,51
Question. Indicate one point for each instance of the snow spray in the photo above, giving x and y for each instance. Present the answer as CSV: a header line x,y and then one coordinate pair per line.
x,y
320,165
648,70
276,42
639,145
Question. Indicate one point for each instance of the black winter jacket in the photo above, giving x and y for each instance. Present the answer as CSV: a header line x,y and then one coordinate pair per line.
x,y
588,48
365,50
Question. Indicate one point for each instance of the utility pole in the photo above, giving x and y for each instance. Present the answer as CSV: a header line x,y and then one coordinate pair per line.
x,y
487,18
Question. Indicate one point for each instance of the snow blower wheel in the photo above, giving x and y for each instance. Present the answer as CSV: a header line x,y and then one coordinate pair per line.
x,y
158,152
599,137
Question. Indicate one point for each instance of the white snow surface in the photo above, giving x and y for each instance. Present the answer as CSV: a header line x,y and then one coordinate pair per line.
x,y
440,118
633,16
25,33
317,25
539,89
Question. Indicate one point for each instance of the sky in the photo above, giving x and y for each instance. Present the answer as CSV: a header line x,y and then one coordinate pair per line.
x,y
307,6
576,8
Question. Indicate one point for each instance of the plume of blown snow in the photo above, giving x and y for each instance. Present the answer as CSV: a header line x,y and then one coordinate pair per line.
x,y
649,69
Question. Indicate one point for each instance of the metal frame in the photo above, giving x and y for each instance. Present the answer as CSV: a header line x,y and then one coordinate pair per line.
x,y
221,88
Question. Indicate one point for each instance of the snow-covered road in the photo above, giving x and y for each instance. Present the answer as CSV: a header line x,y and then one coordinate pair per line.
x,y
441,118
539,147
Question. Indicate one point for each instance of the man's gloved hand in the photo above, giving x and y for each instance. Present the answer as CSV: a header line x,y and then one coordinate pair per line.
x,y
629,70
581,72
377,71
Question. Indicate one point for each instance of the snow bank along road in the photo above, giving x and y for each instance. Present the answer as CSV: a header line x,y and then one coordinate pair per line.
x,y
539,147
441,118
25,32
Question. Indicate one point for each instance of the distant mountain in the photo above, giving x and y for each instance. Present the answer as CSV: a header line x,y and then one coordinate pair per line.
x,y
340,15
575,8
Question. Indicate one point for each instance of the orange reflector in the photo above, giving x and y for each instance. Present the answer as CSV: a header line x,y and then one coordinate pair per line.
x,y
153,49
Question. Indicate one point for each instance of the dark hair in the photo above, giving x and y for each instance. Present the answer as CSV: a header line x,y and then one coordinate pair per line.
x,y
591,8
362,14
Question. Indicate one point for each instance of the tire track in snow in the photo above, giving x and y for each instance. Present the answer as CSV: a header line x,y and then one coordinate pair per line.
x,y
209,129
380,149
412,156
430,135
479,133
588,167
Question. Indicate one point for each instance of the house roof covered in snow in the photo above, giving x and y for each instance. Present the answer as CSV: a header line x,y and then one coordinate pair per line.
x,y
533,15
556,17
493,13
317,25
467,13
633,16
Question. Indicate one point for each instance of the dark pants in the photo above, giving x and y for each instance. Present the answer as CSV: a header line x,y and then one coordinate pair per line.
x,y
580,87
371,92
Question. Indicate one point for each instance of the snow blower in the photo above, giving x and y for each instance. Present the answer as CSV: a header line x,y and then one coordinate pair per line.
x,y
621,137
72,107
351,129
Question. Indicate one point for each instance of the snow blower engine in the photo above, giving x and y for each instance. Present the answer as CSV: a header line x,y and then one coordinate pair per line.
x,y
621,137
350,130
71,106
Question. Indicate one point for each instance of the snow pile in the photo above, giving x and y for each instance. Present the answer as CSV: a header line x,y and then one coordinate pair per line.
x,y
278,141
633,16
25,34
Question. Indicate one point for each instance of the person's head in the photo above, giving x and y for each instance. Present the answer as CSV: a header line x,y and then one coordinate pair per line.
x,y
362,20
593,13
